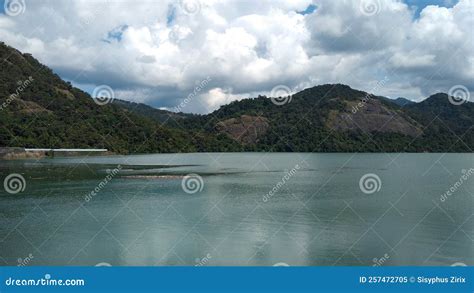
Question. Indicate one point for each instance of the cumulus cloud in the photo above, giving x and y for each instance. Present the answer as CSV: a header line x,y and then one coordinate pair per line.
x,y
157,51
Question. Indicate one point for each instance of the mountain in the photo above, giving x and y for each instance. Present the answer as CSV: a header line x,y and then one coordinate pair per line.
x,y
38,109
337,118
158,115
402,102
449,127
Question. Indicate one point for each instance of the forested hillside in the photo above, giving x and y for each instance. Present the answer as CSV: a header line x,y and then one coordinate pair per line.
x,y
38,109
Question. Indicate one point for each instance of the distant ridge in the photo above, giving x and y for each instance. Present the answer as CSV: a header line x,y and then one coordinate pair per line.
x,y
402,102
158,115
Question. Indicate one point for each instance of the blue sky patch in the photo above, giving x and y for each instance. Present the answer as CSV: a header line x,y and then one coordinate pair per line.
x,y
171,15
420,4
310,9
115,34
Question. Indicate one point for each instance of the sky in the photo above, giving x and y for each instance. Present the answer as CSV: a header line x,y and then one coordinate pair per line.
x,y
196,55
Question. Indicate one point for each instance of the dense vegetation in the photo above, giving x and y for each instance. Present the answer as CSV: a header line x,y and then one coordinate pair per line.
x,y
301,125
449,128
48,112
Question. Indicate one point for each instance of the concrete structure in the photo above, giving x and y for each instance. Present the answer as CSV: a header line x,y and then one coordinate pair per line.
x,y
66,150
24,153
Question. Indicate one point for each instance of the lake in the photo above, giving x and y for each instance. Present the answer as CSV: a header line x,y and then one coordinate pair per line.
x,y
239,209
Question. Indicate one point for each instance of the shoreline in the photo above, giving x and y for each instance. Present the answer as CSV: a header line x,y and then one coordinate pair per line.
x,y
17,153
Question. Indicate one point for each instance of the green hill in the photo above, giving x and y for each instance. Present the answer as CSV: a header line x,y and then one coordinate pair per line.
x,y
337,118
38,109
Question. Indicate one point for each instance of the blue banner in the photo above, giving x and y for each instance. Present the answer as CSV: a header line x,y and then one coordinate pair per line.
x,y
237,279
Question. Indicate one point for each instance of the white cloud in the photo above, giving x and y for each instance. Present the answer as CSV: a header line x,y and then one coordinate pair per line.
x,y
217,97
156,51
412,60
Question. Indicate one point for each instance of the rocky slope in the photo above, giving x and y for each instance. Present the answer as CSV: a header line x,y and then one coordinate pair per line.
x,y
373,116
244,129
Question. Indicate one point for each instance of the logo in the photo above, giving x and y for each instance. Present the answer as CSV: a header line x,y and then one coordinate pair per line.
x,y
370,183
192,183
103,95
281,95
14,183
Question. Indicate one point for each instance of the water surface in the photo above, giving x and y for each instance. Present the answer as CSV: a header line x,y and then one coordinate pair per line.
x,y
245,212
